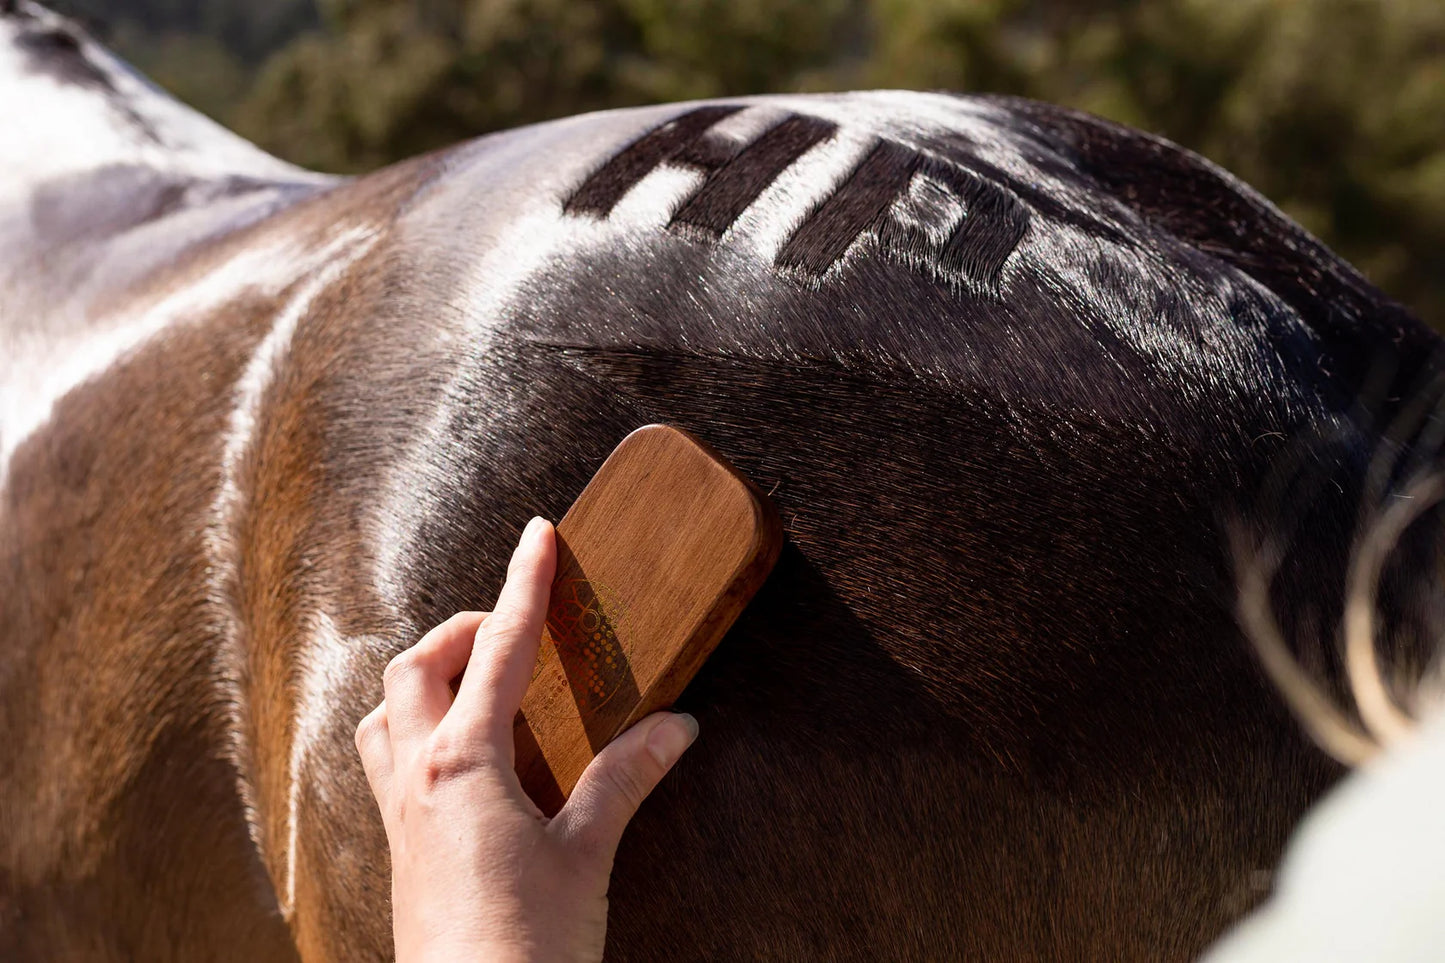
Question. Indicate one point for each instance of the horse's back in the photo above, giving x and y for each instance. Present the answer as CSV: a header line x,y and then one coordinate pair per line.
x,y
995,678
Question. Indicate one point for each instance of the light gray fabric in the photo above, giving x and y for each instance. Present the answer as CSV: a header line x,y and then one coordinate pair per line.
x,y
1364,878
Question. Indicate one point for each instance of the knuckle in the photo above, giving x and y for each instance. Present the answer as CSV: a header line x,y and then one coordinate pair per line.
x,y
362,735
398,669
368,728
505,624
459,623
447,757
460,619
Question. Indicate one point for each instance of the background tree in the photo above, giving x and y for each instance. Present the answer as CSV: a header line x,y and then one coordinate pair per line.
x,y
1335,109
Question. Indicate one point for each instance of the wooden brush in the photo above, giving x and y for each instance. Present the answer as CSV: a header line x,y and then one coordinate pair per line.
x,y
655,560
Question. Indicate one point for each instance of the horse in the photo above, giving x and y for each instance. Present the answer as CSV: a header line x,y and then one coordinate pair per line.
x,y
1004,368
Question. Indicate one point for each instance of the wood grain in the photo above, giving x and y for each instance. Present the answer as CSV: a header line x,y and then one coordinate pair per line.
x,y
656,559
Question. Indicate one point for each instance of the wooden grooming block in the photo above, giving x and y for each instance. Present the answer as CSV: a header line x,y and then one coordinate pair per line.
x,y
655,560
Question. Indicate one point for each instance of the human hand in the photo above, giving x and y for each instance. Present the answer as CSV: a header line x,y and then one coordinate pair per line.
x,y
478,872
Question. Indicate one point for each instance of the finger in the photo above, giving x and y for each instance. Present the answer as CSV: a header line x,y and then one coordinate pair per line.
x,y
506,650
373,743
615,783
418,681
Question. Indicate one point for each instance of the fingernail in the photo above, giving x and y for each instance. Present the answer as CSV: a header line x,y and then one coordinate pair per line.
x,y
671,737
533,530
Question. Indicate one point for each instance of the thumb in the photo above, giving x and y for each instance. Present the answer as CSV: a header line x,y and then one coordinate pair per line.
x,y
616,782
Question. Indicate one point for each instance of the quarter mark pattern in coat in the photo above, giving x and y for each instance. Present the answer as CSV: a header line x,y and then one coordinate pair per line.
x,y
932,214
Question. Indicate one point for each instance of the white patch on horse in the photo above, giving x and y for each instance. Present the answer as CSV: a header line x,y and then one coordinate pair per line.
x,y
325,266
325,669
54,126
40,369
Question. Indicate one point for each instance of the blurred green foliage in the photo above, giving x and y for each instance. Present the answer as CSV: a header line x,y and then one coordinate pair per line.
x,y
1335,109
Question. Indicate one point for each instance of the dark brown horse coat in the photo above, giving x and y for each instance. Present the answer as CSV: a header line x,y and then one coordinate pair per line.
x,y
1003,367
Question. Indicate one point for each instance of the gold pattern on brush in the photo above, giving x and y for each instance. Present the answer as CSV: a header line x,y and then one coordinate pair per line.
x,y
583,623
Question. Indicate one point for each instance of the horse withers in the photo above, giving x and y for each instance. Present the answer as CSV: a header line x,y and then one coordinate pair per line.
x,y
1004,368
